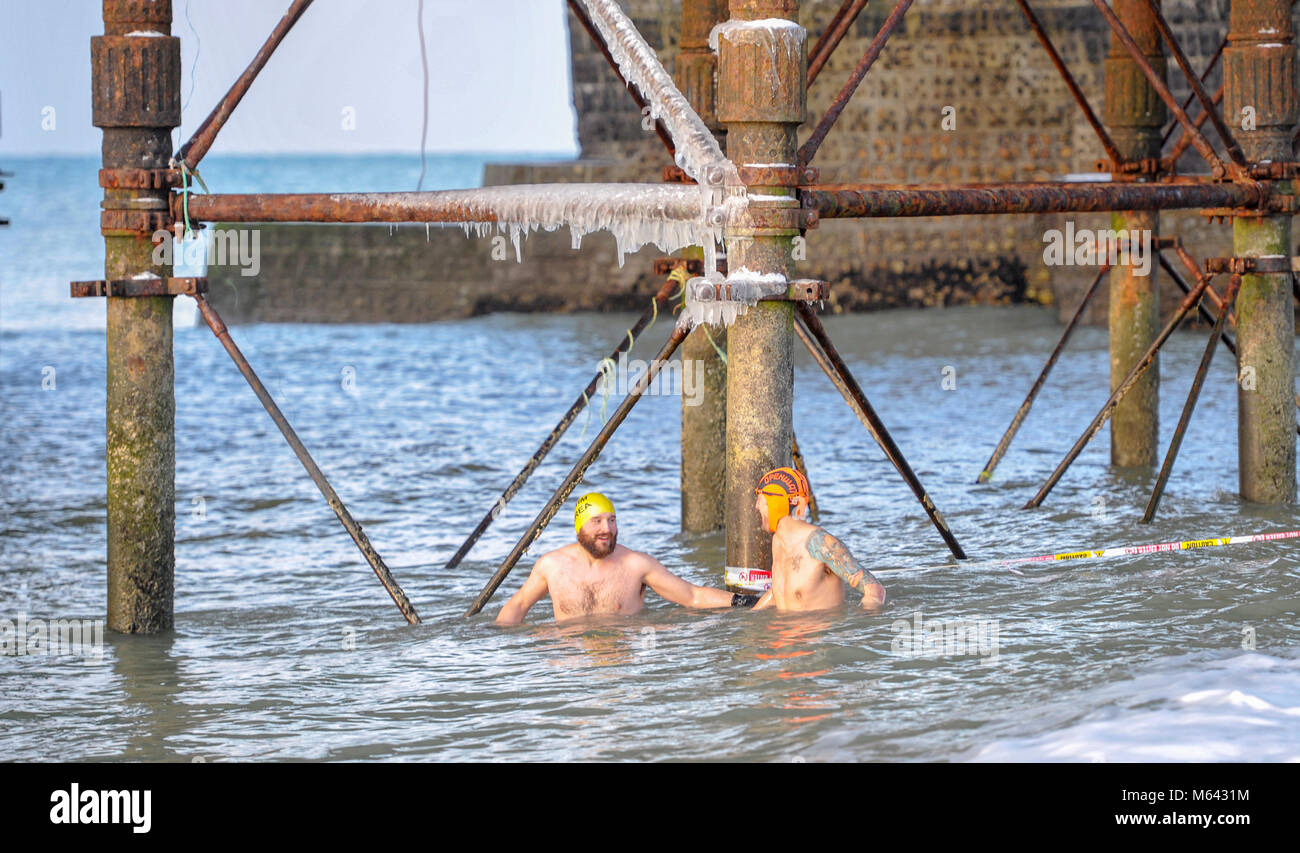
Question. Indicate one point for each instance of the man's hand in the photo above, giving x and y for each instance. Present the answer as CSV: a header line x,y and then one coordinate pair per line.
x,y
873,598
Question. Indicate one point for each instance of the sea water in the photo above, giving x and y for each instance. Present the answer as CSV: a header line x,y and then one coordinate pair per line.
x,y
286,646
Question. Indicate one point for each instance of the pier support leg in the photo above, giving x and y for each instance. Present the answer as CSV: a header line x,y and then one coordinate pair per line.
x,y
1135,116
136,100
704,413
761,100
1260,73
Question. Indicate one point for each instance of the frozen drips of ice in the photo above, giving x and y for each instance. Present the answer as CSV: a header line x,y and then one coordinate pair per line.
x,y
670,216
772,34
698,153
718,301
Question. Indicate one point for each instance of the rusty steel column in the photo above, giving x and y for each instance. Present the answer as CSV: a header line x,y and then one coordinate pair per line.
x,y
135,79
1259,70
1135,117
761,100
704,413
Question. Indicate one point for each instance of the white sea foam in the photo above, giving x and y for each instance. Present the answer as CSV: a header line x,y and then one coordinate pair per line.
x,y
1242,708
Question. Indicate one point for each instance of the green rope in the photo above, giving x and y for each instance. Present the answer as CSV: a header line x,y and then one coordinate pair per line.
x,y
185,200
608,379
185,195
586,402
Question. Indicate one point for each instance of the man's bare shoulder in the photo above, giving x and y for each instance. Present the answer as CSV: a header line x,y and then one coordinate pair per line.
x,y
639,560
795,532
558,558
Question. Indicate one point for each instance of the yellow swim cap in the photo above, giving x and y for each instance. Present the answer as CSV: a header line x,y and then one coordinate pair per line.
x,y
592,503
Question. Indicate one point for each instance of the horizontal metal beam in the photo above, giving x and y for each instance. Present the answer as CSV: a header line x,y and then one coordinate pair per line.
x,y
546,205
842,202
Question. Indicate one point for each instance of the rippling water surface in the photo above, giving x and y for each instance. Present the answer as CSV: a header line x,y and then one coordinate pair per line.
x,y
286,647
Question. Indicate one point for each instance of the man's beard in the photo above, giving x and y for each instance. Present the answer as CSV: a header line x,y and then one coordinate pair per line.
x,y
594,548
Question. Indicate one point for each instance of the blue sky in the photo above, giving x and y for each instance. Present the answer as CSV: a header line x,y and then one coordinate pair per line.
x,y
498,75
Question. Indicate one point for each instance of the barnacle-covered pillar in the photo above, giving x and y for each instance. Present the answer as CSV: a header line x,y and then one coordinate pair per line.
x,y
704,408
135,80
1259,72
1135,117
761,89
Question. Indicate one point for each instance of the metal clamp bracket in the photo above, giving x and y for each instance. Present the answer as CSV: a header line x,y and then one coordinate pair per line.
x,y
694,266
1259,266
132,287
802,290
777,176
139,179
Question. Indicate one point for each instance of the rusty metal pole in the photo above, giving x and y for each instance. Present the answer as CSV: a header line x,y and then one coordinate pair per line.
x,y
194,150
135,84
1259,70
579,469
1034,24
761,101
1171,455
998,452
218,327
704,413
624,345
1127,384
1135,116
810,330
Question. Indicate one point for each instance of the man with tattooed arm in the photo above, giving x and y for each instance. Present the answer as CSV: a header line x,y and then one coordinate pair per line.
x,y
807,562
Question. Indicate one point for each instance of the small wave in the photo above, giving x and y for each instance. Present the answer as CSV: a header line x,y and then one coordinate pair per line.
x,y
1242,708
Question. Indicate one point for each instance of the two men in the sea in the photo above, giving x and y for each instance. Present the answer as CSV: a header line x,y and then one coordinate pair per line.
x,y
596,575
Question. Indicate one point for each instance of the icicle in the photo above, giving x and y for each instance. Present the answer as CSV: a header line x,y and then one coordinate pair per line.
x,y
669,216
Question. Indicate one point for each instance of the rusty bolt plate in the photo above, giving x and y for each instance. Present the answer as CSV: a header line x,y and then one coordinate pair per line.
x,y
1244,266
139,179
132,222
780,218
777,176
127,287
802,290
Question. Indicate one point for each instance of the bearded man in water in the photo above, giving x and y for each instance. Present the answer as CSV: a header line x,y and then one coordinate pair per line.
x,y
807,562
596,575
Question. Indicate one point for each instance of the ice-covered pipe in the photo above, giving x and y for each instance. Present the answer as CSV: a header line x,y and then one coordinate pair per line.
x,y
697,153
671,216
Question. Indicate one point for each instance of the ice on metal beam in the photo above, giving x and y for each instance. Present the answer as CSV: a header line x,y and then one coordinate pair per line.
x,y
697,152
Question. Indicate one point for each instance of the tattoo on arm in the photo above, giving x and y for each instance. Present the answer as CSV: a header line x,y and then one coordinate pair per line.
x,y
831,551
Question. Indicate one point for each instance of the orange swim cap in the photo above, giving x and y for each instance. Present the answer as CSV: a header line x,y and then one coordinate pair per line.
x,y
783,489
